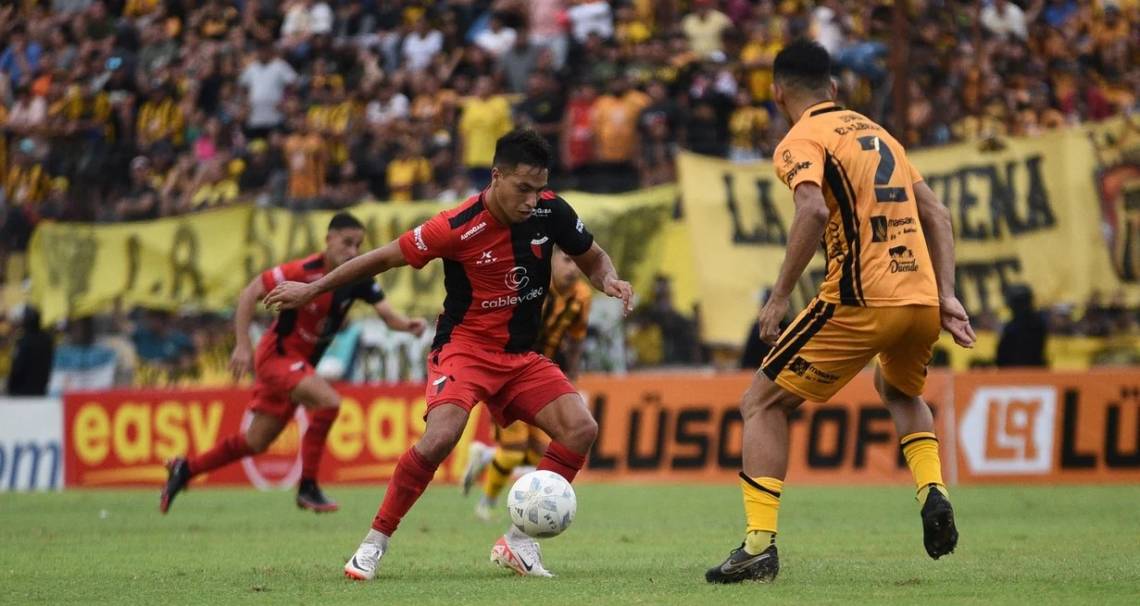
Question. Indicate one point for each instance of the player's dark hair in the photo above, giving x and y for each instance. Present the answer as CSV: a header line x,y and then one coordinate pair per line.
x,y
803,64
521,146
344,221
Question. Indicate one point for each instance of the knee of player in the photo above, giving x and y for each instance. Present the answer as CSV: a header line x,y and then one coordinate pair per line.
x,y
437,443
584,432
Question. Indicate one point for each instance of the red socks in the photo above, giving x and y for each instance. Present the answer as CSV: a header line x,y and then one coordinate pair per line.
x,y
313,442
230,449
413,473
562,461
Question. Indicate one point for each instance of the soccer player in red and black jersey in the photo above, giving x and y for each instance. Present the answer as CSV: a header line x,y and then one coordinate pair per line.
x,y
496,249
285,361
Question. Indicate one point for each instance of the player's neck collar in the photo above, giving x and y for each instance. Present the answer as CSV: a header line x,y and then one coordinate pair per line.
x,y
822,107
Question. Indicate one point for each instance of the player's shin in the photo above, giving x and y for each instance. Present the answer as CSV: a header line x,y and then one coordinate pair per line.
x,y
313,443
562,461
413,474
230,449
761,510
921,452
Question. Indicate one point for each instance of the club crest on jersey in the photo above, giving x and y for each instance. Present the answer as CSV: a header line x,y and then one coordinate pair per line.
x,y
536,246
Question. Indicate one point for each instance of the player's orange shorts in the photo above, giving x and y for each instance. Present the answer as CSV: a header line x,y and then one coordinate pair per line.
x,y
276,376
519,435
828,344
514,386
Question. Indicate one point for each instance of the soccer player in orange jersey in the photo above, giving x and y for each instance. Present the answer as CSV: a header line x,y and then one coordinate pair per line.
x,y
888,292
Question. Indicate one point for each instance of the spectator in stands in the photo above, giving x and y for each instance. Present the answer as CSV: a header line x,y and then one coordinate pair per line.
x,y
266,79
421,45
678,336
497,39
614,124
518,62
141,200
1022,342
657,130
485,118
748,127
542,108
705,27
409,173
32,358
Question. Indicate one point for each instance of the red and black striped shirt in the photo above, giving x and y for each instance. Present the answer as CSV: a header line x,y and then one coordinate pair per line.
x,y
496,276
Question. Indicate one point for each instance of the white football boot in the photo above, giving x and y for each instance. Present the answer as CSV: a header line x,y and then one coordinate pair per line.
x,y
520,553
363,564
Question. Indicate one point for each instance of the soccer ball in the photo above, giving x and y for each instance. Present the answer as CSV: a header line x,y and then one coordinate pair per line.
x,y
542,504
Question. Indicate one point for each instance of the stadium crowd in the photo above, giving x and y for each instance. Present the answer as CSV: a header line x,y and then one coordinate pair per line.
x,y
136,109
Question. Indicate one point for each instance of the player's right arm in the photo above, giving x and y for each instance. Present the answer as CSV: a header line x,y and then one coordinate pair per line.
x,y
939,234
242,359
291,295
416,247
808,225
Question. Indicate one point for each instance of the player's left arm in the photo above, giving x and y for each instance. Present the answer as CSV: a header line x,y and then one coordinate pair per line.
x,y
398,321
808,225
290,295
600,270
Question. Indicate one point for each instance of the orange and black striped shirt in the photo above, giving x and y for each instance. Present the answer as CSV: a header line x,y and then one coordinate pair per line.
x,y
876,251
565,314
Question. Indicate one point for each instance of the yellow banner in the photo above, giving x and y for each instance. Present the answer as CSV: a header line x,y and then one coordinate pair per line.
x,y
1059,212
203,260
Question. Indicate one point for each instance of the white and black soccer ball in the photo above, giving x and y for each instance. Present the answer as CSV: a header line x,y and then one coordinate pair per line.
x,y
542,504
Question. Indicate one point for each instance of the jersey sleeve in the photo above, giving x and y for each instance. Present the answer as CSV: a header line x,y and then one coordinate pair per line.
x,y
799,161
915,176
291,271
570,233
431,240
369,291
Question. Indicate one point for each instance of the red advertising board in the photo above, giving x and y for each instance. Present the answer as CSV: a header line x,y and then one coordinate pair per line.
x,y
123,438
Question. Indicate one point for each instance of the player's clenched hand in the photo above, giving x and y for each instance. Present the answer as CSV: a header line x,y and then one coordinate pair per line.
x,y
417,326
956,322
771,315
619,289
289,295
241,361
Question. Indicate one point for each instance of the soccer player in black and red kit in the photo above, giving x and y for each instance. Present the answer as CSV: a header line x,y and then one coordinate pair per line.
x,y
285,361
496,249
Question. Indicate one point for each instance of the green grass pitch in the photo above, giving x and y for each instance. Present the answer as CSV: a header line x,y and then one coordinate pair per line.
x,y
631,544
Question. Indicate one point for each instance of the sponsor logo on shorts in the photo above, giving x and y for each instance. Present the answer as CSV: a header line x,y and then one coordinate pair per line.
x,y
418,234
806,370
512,300
473,231
902,260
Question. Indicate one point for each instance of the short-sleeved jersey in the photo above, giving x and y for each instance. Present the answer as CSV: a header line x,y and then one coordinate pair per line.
x,y
308,330
565,314
496,276
876,251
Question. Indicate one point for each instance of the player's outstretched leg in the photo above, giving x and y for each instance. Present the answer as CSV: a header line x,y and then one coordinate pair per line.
x,y
414,471
765,407
915,423
572,430
257,437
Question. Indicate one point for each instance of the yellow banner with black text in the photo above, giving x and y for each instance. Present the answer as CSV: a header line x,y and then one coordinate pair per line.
x,y
202,261
1059,212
